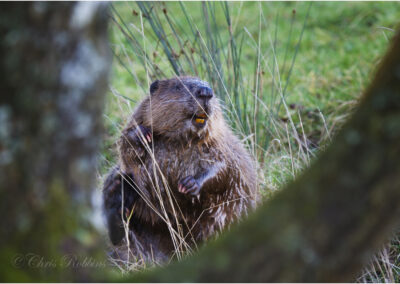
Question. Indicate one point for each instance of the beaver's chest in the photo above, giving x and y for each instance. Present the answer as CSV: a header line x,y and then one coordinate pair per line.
x,y
177,162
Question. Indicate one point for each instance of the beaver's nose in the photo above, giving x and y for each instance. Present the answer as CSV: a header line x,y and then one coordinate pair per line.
x,y
204,93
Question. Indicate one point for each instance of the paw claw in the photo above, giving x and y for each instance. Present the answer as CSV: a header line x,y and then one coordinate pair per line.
x,y
189,185
127,212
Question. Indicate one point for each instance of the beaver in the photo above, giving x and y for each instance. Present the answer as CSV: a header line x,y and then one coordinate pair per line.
x,y
183,175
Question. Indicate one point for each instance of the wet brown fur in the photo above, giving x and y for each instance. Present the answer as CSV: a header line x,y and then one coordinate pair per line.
x,y
177,150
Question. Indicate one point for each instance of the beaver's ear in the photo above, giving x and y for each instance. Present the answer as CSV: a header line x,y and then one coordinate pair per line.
x,y
154,86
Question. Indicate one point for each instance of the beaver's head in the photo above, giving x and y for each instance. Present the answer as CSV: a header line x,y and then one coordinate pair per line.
x,y
181,107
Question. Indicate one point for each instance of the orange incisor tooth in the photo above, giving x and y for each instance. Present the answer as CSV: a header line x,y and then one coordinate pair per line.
x,y
199,120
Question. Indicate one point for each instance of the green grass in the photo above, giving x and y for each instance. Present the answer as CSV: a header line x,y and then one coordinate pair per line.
x,y
288,73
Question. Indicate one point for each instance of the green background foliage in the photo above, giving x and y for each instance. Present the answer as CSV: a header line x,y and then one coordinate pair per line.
x,y
340,44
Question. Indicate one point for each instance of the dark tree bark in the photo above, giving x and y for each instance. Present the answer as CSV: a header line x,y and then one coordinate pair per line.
x,y
54,68
324,226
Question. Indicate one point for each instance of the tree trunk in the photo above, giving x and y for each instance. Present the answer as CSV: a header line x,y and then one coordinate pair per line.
x,y
54,69
325,225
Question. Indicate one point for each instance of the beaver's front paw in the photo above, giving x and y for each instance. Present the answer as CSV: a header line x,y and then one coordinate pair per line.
x,y
138,138
140,135
189,185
